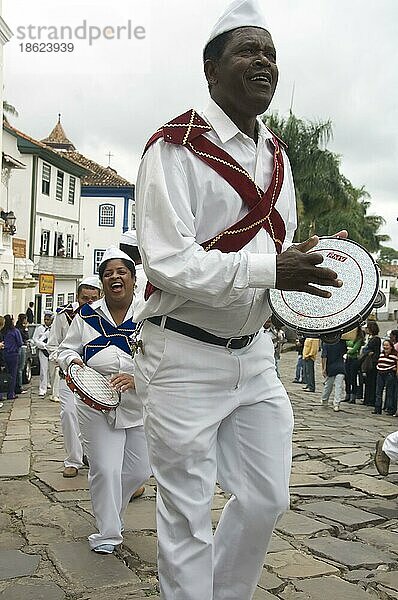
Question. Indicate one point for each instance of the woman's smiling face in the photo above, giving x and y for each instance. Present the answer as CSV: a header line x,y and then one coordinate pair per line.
x,y
118,282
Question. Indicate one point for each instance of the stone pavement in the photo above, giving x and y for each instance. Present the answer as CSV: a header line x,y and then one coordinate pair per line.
x,y
339,541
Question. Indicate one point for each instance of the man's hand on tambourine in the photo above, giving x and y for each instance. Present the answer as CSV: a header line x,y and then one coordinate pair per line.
x,y
122,382
296,270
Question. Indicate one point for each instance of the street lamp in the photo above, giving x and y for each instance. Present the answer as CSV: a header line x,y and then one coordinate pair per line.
x,y
9,221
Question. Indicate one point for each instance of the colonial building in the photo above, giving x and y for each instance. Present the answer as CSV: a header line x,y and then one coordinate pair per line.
x,y
45,197
107,202
68,210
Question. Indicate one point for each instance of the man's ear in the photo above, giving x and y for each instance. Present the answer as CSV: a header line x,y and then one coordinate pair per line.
x,y
211,71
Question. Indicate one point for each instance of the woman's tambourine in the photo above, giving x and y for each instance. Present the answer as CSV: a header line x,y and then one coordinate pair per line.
x,y
347,308
92,387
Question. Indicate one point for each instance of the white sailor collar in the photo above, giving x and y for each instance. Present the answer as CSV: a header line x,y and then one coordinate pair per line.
x,y
225,128
102,307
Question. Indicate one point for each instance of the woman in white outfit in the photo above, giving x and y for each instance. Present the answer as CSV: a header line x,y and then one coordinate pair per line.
x,y
114,442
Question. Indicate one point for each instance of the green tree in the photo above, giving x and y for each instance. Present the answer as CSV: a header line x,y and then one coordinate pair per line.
x,y
387,255
9,109
326,200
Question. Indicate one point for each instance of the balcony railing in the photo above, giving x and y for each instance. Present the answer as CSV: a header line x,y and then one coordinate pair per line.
x,y
59,265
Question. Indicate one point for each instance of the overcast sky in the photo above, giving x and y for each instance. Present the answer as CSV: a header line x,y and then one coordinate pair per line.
x,y
340,55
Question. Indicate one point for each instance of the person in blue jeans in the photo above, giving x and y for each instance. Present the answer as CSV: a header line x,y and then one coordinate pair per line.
x,y
333,371
12,343
386,377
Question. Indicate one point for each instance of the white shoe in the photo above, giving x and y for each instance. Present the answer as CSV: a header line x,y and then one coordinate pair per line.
x,y
54,398
1,404
336,408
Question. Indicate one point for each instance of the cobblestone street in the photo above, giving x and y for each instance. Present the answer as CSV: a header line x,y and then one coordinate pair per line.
x,y
339,541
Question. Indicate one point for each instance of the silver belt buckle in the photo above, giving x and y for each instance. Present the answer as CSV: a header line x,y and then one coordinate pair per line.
x,y
231,340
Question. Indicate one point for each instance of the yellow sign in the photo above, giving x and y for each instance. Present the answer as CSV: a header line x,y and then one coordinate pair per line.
x,y
46,283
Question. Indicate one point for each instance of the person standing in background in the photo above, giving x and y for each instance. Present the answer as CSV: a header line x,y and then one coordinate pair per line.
x,y
386,377
29,313
40,338
12,343
310,351
371,350
22,326
352,364
299,378
333,370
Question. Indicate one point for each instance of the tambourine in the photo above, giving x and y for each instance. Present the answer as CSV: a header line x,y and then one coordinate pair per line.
x,y
347,308
92,387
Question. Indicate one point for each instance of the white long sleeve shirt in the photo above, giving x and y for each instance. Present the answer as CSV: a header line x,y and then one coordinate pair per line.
x,y
109,361
58,331
182,202
40,336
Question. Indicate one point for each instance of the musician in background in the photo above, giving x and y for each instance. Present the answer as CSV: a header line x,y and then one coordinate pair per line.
x,y
88,291
40,338
129,245
114,442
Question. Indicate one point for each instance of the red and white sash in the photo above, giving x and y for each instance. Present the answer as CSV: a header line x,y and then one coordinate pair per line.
x,y
187,130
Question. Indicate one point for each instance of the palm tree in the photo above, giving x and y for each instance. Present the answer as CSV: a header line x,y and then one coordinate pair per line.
x,y
326,200
9,109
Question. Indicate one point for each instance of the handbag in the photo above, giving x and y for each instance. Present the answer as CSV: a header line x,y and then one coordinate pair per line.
x,y
366,363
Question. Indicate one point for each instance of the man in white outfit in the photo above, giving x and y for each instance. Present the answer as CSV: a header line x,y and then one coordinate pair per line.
x,y
129,245
212,241
88,291
40,338
386,452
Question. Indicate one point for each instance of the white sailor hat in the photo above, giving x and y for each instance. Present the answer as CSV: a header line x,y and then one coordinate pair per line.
x,y
113,252
129,238
240,13
92,281
48,313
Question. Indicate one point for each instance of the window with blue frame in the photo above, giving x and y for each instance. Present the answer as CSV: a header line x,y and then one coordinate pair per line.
x,y
98,254
106,215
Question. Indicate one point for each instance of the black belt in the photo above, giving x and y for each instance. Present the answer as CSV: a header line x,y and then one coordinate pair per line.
x,y
196,333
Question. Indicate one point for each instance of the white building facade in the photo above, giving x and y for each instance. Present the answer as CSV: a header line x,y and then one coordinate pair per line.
x,y
6,252
45,197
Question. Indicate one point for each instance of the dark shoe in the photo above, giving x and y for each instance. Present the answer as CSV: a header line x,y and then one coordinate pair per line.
x,y
382,461
376,412
70,472
351,402
308,390
85,460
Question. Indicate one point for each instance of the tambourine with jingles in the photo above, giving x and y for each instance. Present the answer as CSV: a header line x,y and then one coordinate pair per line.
x,y
347,308
92,387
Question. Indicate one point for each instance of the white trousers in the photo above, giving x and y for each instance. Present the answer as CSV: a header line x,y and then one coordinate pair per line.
x,y
339,388
43,379
214,414
70,427
390,446
118,466
53,378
